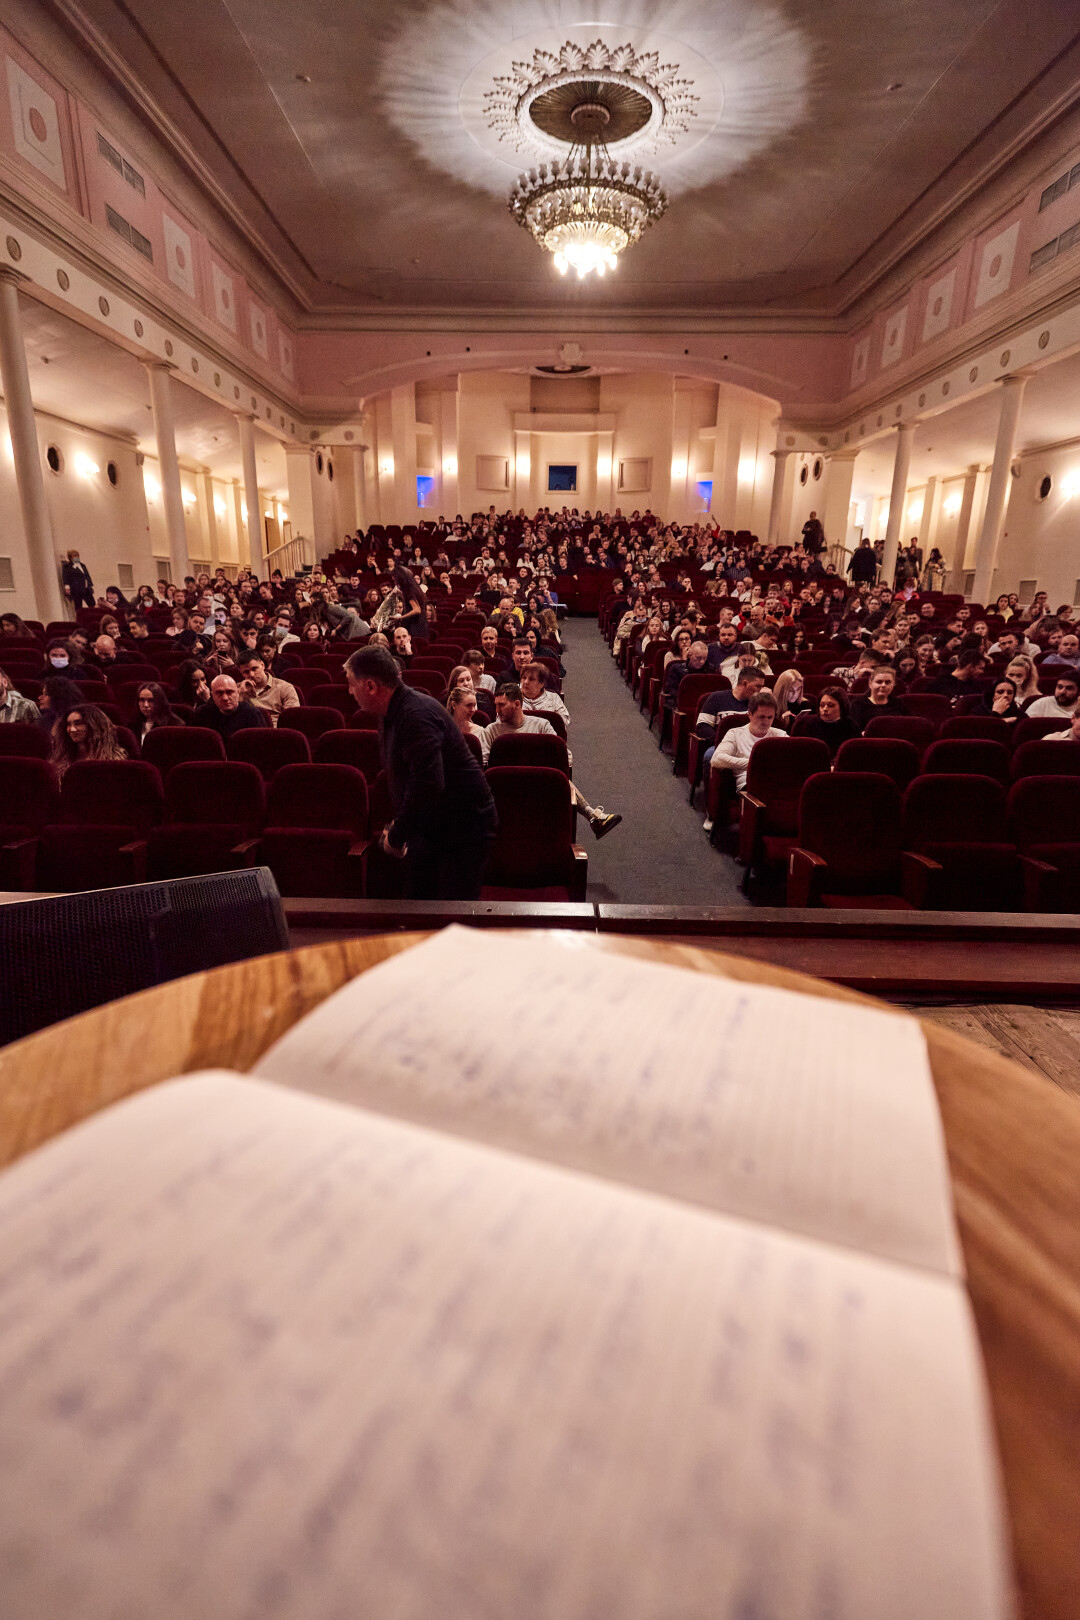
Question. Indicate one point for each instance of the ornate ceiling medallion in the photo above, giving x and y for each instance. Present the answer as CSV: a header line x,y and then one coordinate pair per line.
x,y
586,207
645,97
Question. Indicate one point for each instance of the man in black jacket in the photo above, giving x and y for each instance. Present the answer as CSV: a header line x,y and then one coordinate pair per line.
x,y
227,713
444,814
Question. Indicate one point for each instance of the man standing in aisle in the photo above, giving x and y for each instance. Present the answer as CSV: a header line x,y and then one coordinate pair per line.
x,y
444,815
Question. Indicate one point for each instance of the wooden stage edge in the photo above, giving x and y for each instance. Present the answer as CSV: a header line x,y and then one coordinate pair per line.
x,y
924,956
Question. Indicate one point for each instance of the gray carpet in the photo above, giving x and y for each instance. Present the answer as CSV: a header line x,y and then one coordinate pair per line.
x,y
660,855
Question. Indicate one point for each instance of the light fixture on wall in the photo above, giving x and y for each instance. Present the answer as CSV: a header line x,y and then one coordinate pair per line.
x,y
585,205
386,466
219,506
151,487
747,470
188,497
449,466
243,511
1070,485
952,506
914,512
85,467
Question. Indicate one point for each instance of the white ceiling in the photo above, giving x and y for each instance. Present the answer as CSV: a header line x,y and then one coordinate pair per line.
x,y
81,377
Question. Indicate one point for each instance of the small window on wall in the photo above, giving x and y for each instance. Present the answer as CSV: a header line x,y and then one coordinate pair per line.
x,y
804,473
319,462
112,472
818,466
7,575
704,489
425,488
1046,484
164,568
125,576
1027,589
562,477
635,473
330,471
54,459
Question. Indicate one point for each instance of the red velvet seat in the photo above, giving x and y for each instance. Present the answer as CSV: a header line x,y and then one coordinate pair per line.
x,y
912,728
345,746
693,690
769,815
25,741
269,749
332,697
533,856
523,749
29,800
886,756
311,721
169,746
213,811
1044,824
1047,758
107,808
967,756
359,721
959,822
983,727
316,830
932,706
1033,730
425,680
848,852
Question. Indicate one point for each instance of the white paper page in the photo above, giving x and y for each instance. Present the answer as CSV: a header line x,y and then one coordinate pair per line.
x,y
267,1358
814,1115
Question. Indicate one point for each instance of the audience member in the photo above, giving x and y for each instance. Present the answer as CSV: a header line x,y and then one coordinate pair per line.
x,y
86,732
1061,705
512,719
1000,700
1066,653
1021,671
1071,732
227,711
538,700
191,684
154,711
832,723
14,708
732,752
880,699
262,689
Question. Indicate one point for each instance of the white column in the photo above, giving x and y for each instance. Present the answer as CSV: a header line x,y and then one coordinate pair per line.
x,y
448,451
928,520
964,521
360,517
781,459
37,525
905,433
299,467
403,435
252,499
836,506
243,557
605,470
210,524
172,495
986,554
521,472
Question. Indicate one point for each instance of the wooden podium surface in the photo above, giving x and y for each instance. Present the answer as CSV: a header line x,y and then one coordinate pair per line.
x,y
1014,1156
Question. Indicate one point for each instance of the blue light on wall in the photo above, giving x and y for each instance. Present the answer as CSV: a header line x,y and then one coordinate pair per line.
x,y
562,477
425,488
704,489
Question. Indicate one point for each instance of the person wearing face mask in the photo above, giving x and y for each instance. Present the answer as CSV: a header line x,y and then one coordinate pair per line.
x,y
65,658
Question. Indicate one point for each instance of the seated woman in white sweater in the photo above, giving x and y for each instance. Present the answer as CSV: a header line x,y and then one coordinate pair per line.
x,y
734,750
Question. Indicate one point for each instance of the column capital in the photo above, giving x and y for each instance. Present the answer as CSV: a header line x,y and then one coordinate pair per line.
x,y
9,273
905,426
153,364
1016,379
848,453
781,455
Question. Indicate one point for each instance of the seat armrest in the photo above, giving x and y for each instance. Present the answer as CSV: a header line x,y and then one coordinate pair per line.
x,y
1041,881
136,853
358,850
750,823
918,875
579,876
18,860
246,850
806,874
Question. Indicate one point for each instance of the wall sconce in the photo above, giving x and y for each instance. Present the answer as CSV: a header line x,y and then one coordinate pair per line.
x,y
85,467
219,506
151,487
188,497
952,506
1070,485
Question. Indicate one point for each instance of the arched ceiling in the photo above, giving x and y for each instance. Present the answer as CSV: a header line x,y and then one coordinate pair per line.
x,y
355,135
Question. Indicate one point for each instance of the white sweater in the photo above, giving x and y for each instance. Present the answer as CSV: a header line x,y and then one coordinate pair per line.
x,y
733,753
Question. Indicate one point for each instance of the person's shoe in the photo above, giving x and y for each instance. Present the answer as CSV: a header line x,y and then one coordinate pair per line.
x,y
707,825
602,822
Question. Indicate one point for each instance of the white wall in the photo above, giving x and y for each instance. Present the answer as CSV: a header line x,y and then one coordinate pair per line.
x,y
1042,538
487,404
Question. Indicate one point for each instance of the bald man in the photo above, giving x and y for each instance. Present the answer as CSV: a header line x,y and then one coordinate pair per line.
x,y
227,712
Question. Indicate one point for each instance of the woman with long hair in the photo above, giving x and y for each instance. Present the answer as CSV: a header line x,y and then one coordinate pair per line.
x,y
222,660
461,680
58,695
12,625
154,711
1021,671
191,683
179,622
1000,699
313,632
411,614
788,693
86,732
832,723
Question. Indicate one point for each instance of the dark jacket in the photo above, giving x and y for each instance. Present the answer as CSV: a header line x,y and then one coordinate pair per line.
x,y
241,718
437,789
862,711
863,565
831,732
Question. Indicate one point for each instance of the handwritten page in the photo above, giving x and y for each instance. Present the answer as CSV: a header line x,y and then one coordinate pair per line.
x,y
266,1358
818,1116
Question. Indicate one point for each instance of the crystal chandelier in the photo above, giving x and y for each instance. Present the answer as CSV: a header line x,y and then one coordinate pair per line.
x,y
587,209
585,204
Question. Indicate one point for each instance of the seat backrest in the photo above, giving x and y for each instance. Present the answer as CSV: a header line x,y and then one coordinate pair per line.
x,y
983,727
310,720
29,791
330,797
169,746
533,843
536,751
955,756
1030,729
1046,759
893,757
215,793
1045,810
346,746
958,809
112,793
268,749
779,766
852,820
932,706
305,680
693,688
332,697
912,728
425,680
25,741
362,722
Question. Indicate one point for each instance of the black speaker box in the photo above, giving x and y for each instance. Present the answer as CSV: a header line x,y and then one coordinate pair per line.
x,y
62,955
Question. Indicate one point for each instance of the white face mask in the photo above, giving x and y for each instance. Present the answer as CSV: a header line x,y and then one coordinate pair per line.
x,y
58,663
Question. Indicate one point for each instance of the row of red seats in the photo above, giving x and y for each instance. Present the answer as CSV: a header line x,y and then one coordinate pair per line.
x,y
314,825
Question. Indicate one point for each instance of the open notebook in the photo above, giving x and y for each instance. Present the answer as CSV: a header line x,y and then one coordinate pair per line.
x,y
522,1283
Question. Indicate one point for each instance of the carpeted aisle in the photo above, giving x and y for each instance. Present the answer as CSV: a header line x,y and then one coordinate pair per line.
x,y
659,855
